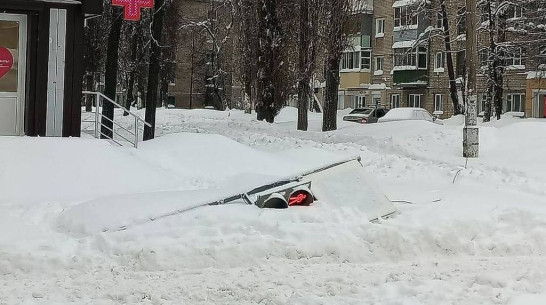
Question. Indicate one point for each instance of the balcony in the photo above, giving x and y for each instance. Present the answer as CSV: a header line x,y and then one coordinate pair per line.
x,y
410,78
354,79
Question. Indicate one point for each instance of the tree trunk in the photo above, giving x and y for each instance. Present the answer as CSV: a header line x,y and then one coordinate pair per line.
x,y
268,59
163,93
331,95
111,74
304,66
154,70
303,102
132,74
89,87
193,50
499,71
334,50
491,66
457,109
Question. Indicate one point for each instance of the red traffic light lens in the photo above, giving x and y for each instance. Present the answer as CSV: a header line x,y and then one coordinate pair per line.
x,y
301,198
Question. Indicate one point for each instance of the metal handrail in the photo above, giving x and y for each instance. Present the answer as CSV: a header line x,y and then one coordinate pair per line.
x,y
118,105
99,125
115,123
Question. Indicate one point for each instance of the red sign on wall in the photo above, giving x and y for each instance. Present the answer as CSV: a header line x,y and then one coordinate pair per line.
x,y
6,61
133,7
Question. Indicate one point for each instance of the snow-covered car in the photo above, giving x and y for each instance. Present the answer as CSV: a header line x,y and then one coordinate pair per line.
x,y
365,115
409,114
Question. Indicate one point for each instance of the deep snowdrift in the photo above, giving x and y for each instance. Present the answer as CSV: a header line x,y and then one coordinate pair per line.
x,y
471,235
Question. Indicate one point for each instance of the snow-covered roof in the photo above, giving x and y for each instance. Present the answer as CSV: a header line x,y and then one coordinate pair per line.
x,y
362,6
404,68
381,86
400,3
536,75
404,44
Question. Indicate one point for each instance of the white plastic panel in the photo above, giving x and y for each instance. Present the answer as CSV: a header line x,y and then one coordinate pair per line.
x,y
56,72
8,115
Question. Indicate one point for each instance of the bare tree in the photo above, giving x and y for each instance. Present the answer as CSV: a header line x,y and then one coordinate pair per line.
x,y
154,69
111,74
308,32
336,13
247,33
516,33
270,41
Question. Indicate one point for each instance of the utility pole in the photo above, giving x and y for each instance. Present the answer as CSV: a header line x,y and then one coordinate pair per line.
x,y
471,134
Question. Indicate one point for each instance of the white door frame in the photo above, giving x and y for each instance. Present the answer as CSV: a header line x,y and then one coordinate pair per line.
x,y
537,102
21,70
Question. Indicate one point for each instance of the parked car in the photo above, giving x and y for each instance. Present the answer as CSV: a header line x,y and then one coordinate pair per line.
x,y
365,115
408,114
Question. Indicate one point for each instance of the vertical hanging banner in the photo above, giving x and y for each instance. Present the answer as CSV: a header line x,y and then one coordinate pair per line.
x,y
132,7
6,61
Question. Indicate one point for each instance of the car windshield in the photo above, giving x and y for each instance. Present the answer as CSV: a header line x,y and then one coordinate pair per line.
x,y
361,111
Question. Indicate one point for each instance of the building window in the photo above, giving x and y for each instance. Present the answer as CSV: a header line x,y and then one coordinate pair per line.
x,y
515,12
461,63
481,106
379,64
395,101
542,57
405,57
415,100
515,103
438,104
360,101
440,21
461,20
404,16
366,60
422,58
483,56
365,41
350,61
439,62
515,57
484,12
379,28
376,101
416,57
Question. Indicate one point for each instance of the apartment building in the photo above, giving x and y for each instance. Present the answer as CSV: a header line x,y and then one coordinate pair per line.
x,y
356,89
191,87
398,58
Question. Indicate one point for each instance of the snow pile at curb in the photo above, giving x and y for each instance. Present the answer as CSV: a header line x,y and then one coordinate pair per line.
x,y
238,170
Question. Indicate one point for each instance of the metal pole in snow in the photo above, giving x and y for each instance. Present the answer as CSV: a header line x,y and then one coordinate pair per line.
x,y
471,135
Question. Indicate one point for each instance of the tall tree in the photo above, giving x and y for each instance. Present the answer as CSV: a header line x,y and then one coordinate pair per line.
x,y
336,11
247,33
457,106
270,41
154,69
93,57
137,32
111,74
308,33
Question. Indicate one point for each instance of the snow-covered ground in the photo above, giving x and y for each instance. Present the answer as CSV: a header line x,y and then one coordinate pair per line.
x,y
466,232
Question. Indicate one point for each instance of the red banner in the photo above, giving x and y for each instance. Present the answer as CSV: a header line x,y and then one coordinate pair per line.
x,y
133,7
6,61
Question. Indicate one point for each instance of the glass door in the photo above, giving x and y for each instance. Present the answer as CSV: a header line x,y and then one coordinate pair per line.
x,y
12,73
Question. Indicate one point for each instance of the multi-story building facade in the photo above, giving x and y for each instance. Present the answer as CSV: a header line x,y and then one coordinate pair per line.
x,y
356,62
398,58
196,62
